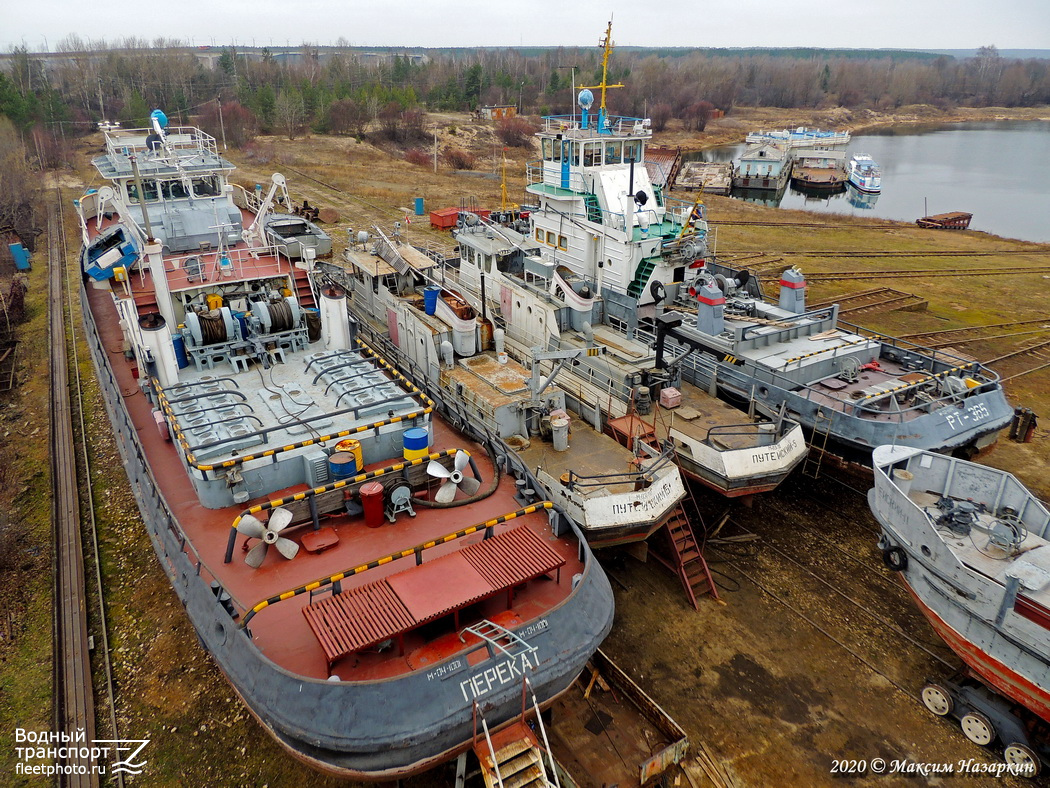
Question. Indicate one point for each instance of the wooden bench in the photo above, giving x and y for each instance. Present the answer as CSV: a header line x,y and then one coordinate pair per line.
x,y
365,616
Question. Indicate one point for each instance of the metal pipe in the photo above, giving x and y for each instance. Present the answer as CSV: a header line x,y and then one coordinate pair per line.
x,y
142,197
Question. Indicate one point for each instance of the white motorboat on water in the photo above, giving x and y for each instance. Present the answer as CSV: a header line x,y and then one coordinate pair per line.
x,y
864,174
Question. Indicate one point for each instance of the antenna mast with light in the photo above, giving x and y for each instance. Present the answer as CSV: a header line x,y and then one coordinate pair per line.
x,y
607,46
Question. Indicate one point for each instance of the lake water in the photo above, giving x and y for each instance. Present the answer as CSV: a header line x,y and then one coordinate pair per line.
x,y
998,171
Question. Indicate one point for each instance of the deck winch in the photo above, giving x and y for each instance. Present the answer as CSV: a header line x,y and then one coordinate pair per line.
x,y
1004,529
275,323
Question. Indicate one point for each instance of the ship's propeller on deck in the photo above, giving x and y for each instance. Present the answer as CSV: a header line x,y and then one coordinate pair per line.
x,y
267,533
454,479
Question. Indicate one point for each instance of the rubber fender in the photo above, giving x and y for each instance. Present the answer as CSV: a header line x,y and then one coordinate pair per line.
x,y
895,558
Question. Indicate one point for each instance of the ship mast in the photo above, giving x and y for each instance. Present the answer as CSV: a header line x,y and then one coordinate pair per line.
x,y
607,46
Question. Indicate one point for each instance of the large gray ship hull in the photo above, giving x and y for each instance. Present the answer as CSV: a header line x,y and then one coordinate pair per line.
x,y
359,729
967,428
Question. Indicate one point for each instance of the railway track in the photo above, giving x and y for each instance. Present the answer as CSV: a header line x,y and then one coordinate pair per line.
x,y
879,299
1037,349
876,253
957,334
74,705
818,225
920,273
818,561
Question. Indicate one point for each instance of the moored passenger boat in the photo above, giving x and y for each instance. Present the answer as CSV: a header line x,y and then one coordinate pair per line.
x,y
377,584
800,137
864,174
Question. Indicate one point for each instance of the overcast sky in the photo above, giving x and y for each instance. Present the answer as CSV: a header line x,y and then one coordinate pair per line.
x,y
905,24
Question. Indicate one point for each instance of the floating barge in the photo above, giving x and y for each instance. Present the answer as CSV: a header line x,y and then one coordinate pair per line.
x,y
819,170
712,177
801,138
954,220
663,165
765,165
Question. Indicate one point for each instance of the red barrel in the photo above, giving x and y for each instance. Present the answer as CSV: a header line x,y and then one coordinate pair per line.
x,y
372,501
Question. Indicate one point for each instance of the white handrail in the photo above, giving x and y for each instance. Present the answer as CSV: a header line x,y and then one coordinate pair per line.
x,y
492,752
543,733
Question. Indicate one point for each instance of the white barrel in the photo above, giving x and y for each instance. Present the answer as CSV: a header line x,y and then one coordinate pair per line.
x,y
560,433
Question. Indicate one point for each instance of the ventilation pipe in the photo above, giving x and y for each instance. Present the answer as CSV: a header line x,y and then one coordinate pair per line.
x,y
793,291
335,322
156,340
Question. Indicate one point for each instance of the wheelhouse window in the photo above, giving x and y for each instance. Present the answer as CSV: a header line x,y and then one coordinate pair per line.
x,y
149,191
592,154
207,186
552,150
632,151
613,151
173,190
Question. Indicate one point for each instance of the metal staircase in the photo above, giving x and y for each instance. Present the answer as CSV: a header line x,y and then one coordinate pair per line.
x,y
303,289
815,457
641,276
686,559
594,211
517,756
515,764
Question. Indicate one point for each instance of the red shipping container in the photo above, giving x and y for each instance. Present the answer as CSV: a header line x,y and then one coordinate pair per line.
x,y
444,219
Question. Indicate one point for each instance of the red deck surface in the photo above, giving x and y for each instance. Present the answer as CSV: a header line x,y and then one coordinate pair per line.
x,y
281,631
372,613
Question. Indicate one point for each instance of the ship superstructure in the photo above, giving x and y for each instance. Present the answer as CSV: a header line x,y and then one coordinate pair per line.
x,y
605,251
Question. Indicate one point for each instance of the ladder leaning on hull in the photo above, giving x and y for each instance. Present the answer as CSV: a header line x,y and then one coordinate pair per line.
x,y
821,432
514,756
687,561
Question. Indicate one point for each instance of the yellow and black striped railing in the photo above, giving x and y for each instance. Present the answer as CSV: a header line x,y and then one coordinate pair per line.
x,y
361,477
934,376
417,551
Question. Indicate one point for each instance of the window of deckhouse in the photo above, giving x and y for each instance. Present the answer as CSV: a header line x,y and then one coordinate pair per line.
x,y
592,154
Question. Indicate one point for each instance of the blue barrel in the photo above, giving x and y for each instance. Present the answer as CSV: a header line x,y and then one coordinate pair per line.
x,y
179,341
417,443
342,464
419,206
430,299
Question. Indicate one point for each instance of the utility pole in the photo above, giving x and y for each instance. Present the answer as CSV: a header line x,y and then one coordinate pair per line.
x,y
222,125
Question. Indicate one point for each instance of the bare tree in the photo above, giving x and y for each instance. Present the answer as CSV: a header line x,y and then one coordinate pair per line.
x,y
290,112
